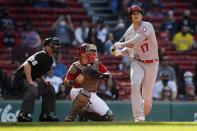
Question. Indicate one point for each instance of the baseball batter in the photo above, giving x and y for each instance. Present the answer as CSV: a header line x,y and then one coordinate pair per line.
x,y
141,44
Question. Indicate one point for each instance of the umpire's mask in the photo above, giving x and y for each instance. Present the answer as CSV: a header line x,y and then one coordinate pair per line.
x,y
55,44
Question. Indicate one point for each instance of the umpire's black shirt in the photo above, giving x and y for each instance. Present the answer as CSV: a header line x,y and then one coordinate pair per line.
x,y
40,64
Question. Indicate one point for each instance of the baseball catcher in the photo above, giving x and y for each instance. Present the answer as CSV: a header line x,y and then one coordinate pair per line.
x,y
84,76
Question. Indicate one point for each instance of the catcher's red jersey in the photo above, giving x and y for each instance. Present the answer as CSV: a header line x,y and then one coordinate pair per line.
x,y
77,68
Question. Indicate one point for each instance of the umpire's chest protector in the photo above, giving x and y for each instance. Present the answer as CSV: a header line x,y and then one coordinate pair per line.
x,y
90,83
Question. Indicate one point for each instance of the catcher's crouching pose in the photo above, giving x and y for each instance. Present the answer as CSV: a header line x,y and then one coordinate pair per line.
x,y
84,75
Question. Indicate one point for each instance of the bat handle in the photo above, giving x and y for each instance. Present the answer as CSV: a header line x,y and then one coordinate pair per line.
x,y
112,50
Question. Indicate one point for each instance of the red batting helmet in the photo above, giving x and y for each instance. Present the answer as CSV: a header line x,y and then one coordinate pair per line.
x,y
90,50
135,8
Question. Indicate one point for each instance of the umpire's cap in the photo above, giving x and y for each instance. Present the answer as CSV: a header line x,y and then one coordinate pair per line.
x,y
134,8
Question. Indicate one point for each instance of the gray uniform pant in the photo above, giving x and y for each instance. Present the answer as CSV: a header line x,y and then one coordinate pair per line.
x,y
31,92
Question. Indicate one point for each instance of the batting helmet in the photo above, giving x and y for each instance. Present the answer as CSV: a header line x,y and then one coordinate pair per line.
x,y
90,50
135,8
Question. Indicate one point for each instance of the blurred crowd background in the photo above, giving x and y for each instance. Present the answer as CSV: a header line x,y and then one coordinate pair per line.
x,y
25,23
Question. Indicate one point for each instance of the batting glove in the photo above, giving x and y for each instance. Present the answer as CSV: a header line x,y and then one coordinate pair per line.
x,y
118,45
117,52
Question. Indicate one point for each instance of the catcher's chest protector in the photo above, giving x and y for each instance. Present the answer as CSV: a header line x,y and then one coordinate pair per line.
x,y
90,83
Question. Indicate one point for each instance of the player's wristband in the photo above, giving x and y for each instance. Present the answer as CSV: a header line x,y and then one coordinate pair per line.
x,y
104,76
72,82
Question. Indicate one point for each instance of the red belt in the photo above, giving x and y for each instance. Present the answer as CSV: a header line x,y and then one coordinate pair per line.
x,y
148,61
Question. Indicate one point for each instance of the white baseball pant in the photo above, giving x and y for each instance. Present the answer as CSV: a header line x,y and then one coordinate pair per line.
x,y
96,104
143,77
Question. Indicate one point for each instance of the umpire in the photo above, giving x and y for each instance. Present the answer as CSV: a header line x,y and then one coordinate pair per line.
x,y
30,77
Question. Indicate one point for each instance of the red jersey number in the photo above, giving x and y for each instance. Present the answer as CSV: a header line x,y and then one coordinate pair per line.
x,y
144,47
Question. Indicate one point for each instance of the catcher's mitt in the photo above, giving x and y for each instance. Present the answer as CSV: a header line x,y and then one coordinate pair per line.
x,y
90,72
94,74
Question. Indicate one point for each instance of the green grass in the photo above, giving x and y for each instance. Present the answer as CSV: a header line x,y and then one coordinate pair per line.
x,y
99,126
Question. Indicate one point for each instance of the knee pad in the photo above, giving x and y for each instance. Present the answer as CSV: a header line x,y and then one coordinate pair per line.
x,y
85,93
81,101
109,116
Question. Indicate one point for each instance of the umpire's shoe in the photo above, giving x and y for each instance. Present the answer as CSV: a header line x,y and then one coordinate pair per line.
x,y
23,117
48,118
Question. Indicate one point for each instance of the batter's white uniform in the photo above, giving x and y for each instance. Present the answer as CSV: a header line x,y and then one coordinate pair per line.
x,y
144,66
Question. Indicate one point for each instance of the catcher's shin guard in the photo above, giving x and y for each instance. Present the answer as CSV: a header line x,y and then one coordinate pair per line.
x,y
86,115
78,104
109,116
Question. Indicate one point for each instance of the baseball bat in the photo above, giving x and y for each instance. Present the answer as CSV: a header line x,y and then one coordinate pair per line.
x,y
113,48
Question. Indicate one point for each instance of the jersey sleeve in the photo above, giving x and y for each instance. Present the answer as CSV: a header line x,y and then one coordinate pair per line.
x,y
72,73
102,68
141,35
191,40
35,59
173,86
175,40
146,29
157,90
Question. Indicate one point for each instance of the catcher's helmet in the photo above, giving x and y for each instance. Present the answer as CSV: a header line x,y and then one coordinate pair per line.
x,y
135,8
90,50
54,43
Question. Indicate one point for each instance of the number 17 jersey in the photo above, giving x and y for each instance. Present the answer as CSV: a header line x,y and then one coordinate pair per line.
x,y
148,48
